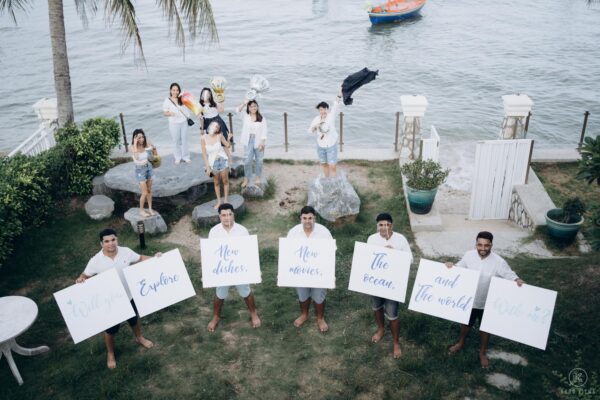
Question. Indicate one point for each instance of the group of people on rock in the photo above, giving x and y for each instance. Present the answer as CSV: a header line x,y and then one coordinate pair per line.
x,y
481,259
216,141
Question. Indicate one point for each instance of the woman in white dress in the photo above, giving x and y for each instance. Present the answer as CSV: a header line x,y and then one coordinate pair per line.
x,y
178,116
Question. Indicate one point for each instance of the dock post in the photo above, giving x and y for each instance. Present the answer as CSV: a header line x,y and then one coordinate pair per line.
x,y
397,131
285,130
585,119
341,132
123,130
230,116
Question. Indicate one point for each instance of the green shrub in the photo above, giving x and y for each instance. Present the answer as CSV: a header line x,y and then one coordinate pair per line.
x,y
424,175
589,165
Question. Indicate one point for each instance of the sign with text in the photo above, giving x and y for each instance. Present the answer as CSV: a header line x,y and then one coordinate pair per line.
x,y
306,263
230,261
380,271
159,282
444,292
95,305
522,314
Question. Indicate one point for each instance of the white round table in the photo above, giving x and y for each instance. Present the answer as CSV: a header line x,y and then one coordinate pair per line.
x,y
17,314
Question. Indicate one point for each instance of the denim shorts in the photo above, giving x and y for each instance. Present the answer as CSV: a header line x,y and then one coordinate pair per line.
x,y
143,172
317,294
390,307
327,155
219,165
223,291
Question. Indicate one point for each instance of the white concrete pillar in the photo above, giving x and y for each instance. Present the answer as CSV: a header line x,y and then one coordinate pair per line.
x,y
413,110
516,110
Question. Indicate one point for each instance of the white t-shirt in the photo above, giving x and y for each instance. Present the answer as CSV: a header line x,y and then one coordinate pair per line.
x,y
397,241
329,138
209,112
492,265
101,263
218,231
181,112
319,232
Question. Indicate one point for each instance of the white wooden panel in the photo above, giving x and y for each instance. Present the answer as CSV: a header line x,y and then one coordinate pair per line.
x,y
431,146
499,165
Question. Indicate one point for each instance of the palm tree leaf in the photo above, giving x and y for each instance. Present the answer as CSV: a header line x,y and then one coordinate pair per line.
x,y
200,17
171,12
10,6
82,7
125,11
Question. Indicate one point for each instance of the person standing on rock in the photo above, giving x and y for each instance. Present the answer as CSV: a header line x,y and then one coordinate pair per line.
x,y
114,256
225,229
386,237
489,264
178,123
217,159
323,126
310,229
141,152
254,138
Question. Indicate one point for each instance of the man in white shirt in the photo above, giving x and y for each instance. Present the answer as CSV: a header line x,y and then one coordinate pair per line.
x,y
228,228
489,264
113,256
309,229
386,237
323,125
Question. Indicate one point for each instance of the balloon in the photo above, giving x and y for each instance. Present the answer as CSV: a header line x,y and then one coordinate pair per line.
x,y
190,102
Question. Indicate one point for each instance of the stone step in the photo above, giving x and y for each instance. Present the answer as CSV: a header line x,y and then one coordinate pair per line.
x,y
152,224
206,214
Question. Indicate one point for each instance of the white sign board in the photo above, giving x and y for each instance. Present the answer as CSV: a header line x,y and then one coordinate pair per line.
x,y
522,314
94,305
444,292
380,271
230,261
159,282
306,263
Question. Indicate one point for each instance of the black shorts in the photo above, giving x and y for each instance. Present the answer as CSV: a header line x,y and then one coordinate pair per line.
x,y
476,314
131,321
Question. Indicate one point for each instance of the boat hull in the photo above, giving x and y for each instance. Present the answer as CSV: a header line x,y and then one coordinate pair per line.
x,y
385,17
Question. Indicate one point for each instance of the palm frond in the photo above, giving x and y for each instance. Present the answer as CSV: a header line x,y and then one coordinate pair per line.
x,y
82,7
125,11
11,6
171,12
200,17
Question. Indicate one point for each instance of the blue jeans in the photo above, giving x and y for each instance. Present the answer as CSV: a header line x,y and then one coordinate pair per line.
x,y
252,152
317,294
327,155
144,172
390,307
223,291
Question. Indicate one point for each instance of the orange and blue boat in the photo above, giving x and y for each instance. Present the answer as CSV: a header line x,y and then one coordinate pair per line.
x,y
395,10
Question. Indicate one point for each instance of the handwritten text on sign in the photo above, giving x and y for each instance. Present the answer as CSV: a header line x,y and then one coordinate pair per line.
x,y
444,292
380,271
94,306
159,282
522,314
230,261
306,263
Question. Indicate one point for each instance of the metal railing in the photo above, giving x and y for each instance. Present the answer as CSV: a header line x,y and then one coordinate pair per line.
x,y
41,140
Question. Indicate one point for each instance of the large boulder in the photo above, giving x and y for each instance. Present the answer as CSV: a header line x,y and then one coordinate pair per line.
x,y
206,214
237,169
99,207
254,190
152,224
172,183
333,198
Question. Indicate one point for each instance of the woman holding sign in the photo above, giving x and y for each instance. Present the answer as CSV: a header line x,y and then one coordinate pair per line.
x,y
385,237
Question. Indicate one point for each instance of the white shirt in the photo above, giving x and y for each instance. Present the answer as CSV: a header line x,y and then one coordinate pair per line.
x,y
258,128
330,137
209,112
218,231
181,112
492,265
101,263
396,242
141,158
319,232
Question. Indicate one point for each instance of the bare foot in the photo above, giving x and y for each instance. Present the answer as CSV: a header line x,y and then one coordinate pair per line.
x,y
257,181
145,342
483,360
300,320
378,335
322,325
152,212
397,351
111,362
143,213
217,204
244,182
455,348
212,325
255,320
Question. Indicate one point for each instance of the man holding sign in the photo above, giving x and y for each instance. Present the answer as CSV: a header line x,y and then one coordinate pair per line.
x,y
385,237
228,228
113,256
489,264
309,229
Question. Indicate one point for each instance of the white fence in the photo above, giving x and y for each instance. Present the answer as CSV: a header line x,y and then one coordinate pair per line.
x,y
40,141
499,165
430,147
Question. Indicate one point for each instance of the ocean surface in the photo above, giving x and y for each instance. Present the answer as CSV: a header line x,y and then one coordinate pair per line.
x,y
462,55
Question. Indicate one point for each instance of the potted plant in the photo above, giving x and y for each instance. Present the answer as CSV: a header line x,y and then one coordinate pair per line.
x,y
422,181
564,223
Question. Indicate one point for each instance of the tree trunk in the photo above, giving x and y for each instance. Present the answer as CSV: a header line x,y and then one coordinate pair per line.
x,y
62,78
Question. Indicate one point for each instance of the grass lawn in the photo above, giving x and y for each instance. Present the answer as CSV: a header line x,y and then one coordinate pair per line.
x,y
278,361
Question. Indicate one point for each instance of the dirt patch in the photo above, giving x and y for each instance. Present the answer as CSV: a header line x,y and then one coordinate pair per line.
x,y
182,233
